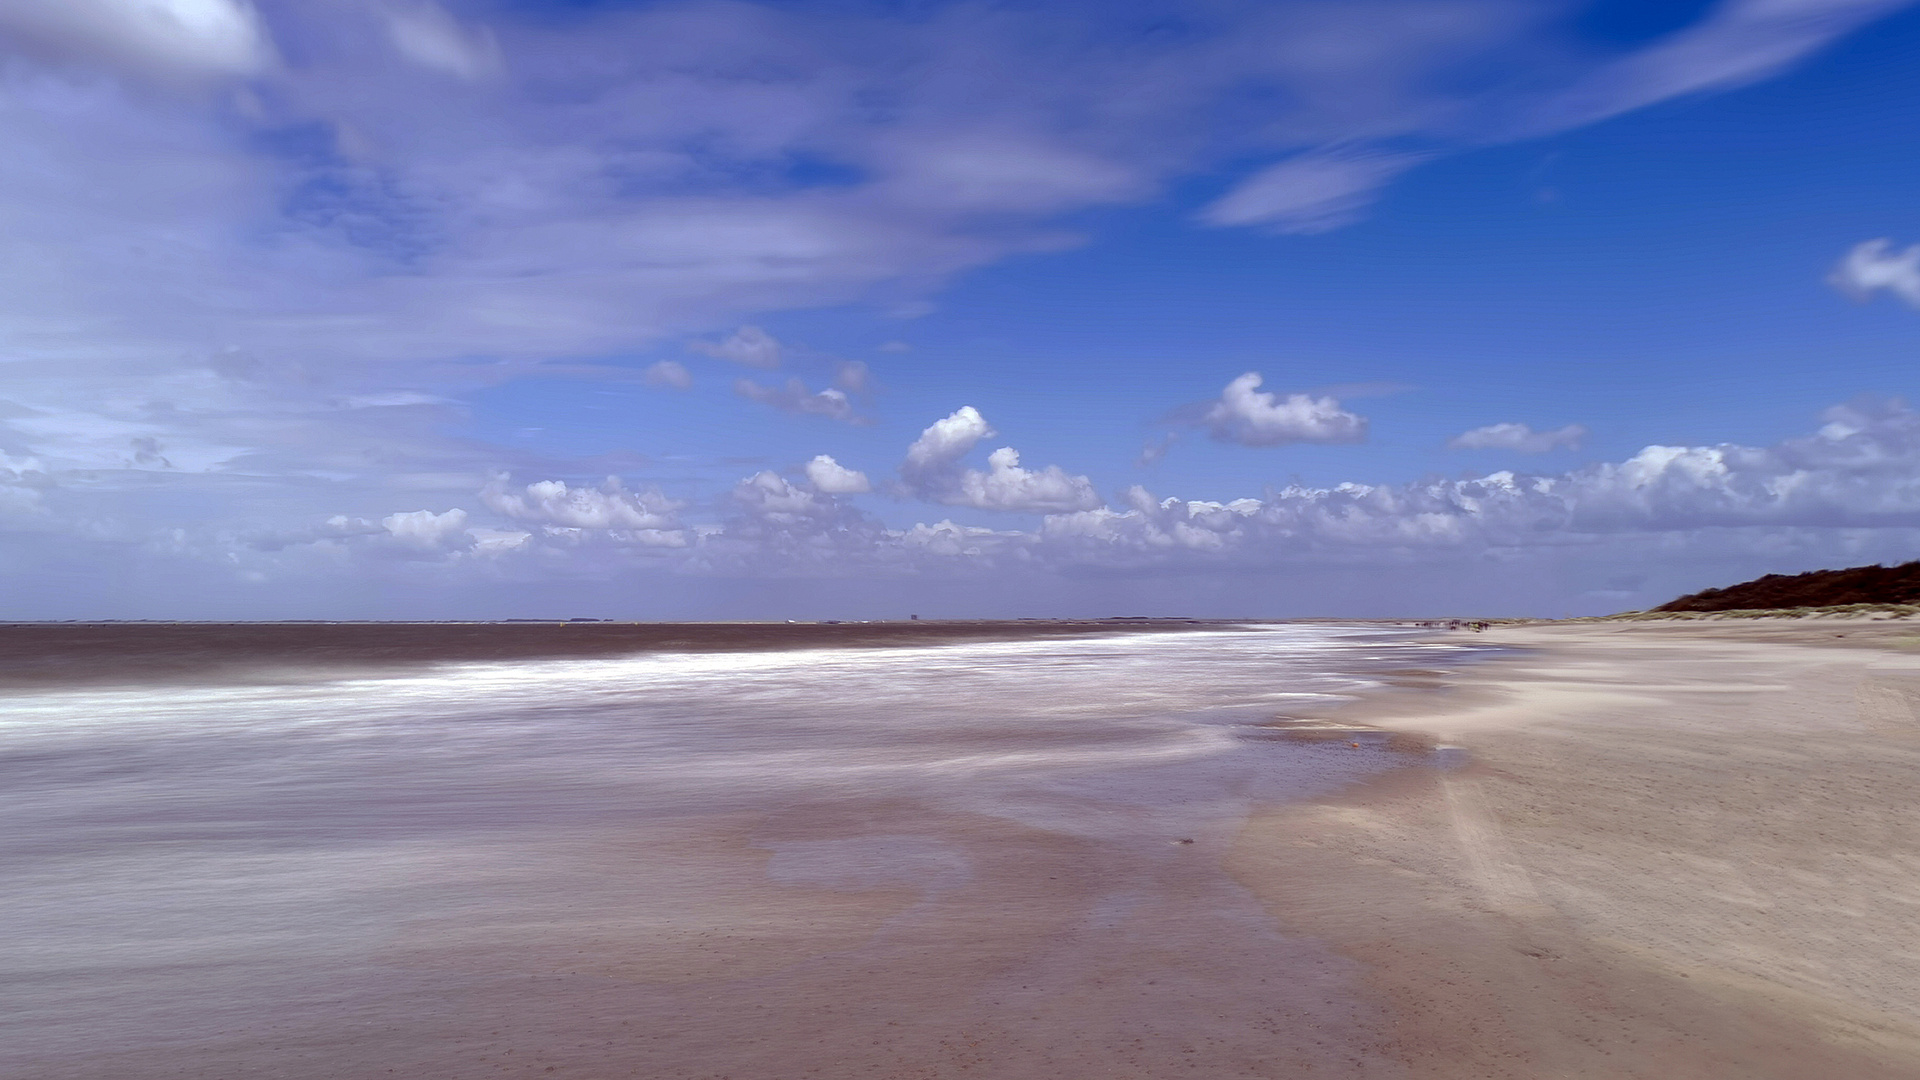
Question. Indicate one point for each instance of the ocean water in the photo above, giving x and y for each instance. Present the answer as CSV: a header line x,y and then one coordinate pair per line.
x,y
927,860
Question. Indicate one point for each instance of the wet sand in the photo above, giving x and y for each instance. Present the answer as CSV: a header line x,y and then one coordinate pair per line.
x,y
1677,850
1626,850
1003,858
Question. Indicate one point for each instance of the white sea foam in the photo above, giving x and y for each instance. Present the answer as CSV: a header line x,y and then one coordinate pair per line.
x,y
227,834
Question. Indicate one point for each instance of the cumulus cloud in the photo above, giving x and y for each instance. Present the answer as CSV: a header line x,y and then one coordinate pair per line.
x,y
425,529
498,543
1858,471
1247,415
1313,193
794,397
1857,477
933,470
951,542
748,345
610,506
832,478
667,373
1873,265
1509,436
296,246
945,442
1007,486
778,527
771,497
1848,492
414,535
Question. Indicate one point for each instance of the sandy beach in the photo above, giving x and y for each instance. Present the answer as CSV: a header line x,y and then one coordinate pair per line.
x,y
1667,850
1676,849
338,854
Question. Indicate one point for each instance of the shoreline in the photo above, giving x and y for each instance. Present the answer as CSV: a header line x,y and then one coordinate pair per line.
x,y
35,655
990,861
1606,850
1673,848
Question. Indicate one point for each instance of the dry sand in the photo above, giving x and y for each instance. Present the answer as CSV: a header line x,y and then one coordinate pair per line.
x,y
1678,850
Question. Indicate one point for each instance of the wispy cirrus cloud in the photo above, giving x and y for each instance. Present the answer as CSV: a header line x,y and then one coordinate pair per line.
x,y
617,181
240,234
1520,437
1315,192
1738,42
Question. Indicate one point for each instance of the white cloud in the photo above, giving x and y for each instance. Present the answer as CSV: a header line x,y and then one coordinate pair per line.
x,y
1874,265
1846,494
1313,193
668,373
619,184
1861,470
771,497
832,403
498,542
424,33
425,529
1331,184
1007,486
833,478
946,540
748,345
944,442
192,37
1246,415
1509,436
781,528
134,438
933,470
611,506
1740,42
293,255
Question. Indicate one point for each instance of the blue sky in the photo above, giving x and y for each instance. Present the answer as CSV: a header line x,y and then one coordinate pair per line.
x,y
396,308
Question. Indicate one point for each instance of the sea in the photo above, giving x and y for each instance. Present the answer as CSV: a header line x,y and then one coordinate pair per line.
x,y
793,852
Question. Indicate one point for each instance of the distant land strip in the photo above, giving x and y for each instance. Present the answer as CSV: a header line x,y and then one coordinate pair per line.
x,y
1888,585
